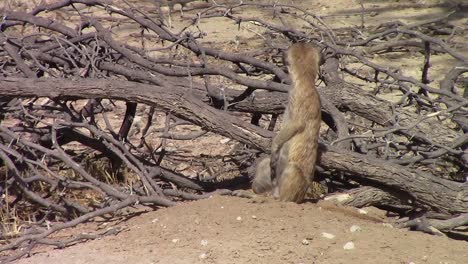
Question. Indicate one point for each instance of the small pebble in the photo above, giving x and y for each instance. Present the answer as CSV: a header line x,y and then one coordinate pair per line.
x,y
362,211
239,218
204,242
165,9
338,197
177,7
355,228
225,140
203,256
175,240
328,235
305,242
348,246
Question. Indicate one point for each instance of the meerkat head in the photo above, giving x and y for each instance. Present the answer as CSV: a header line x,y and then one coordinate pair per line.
x,y
303,59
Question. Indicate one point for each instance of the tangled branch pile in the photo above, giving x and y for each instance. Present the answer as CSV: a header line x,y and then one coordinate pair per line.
x,y
394,140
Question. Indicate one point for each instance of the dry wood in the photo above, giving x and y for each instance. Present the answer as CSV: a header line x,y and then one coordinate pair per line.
x,y
426,190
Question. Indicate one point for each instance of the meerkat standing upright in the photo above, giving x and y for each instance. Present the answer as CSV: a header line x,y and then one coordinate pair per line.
x,y
294,148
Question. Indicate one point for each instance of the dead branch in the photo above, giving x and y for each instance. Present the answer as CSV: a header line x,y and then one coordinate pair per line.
x,y
452,196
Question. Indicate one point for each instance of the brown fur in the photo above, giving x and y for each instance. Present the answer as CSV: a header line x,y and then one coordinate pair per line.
x,y
262,182
294,148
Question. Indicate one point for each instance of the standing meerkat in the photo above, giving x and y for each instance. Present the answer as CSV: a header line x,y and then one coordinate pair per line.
x,y
289,171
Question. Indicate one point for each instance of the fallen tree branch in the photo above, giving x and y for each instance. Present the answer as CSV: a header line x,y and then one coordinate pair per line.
x,y
451,198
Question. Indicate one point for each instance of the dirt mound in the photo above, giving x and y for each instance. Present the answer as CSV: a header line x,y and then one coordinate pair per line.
x,y
235,230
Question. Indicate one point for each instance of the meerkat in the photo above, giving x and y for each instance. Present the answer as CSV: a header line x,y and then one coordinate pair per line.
x,y
294,148
262,182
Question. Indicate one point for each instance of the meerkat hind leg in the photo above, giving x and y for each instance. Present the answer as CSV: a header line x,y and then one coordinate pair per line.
x,y
292,184
262,181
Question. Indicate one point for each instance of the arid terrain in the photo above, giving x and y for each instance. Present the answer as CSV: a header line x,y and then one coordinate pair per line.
x,y
235,230
224,229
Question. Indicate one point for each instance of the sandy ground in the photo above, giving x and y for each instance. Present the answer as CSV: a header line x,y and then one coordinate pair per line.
x,y
235,230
